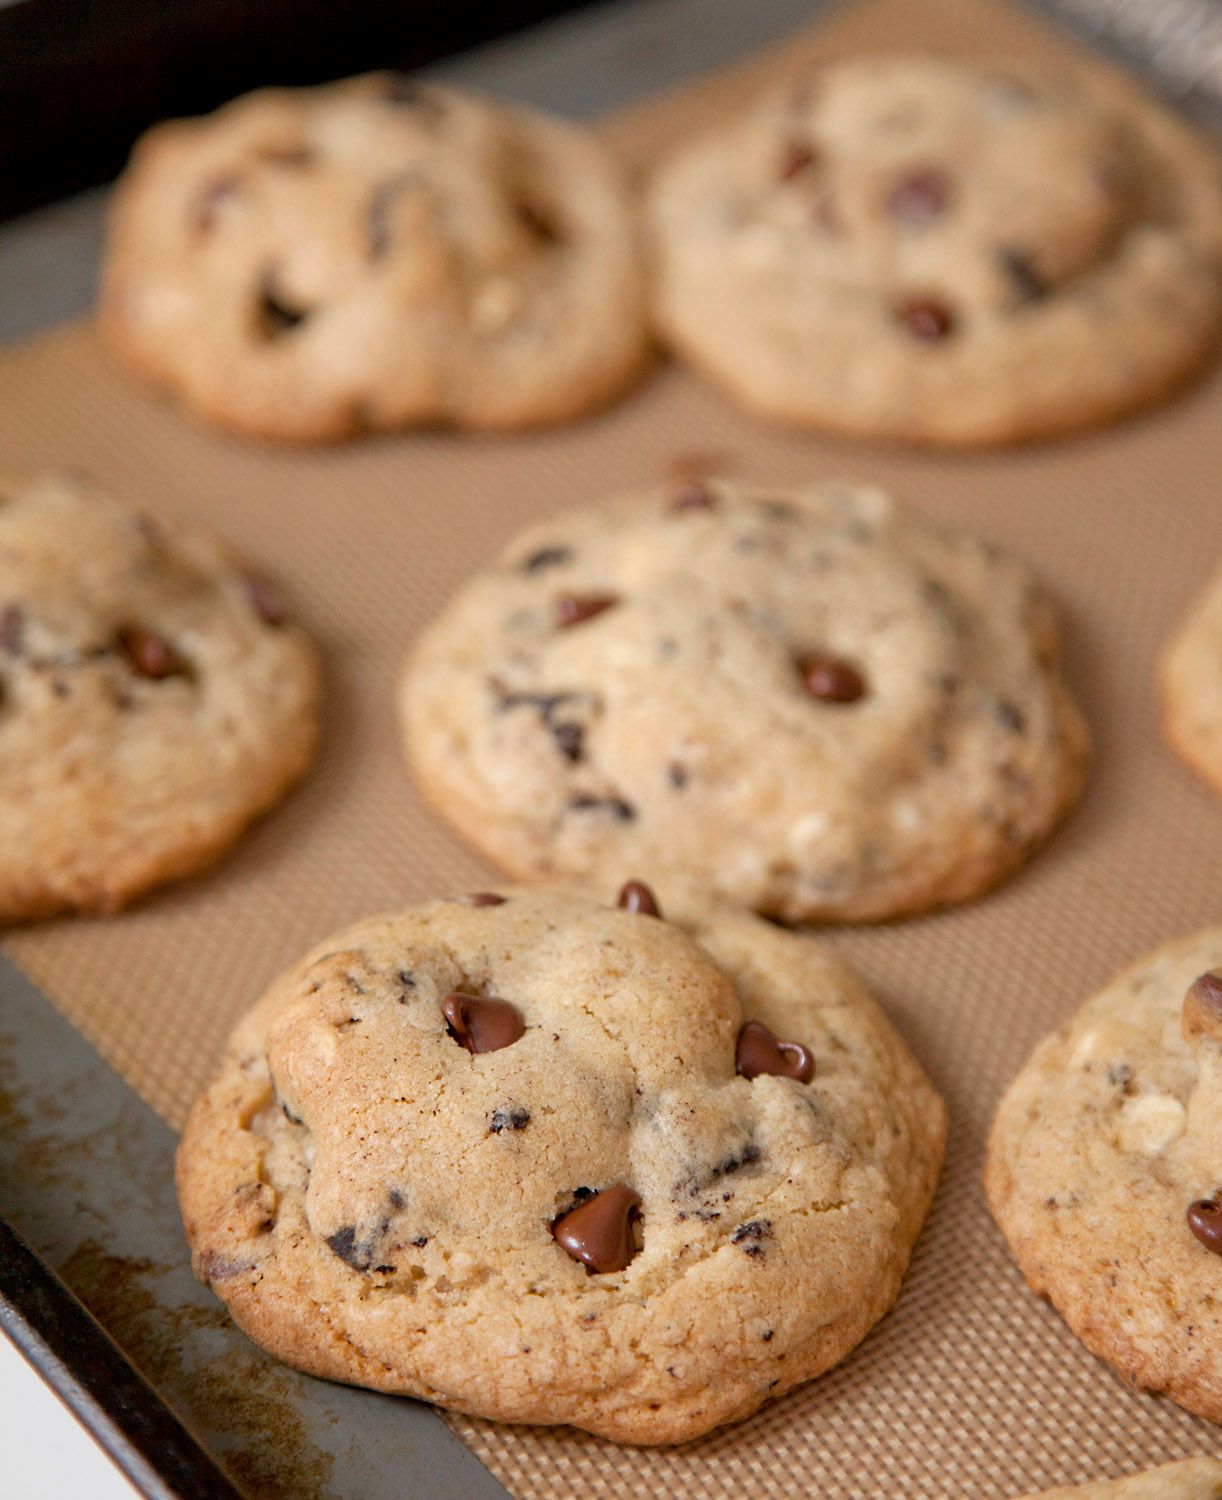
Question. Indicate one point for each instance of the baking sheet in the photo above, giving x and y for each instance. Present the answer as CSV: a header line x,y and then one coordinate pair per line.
x,y
970,1386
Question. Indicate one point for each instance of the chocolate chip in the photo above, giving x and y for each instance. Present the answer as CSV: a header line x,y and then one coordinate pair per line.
x,y
585,802
678,776
482,1023
766,1335
396,1199
598,1231
637,897
570,740
576,609
831,679
547,557
513,1118
546,703
12,629
150,654
481,898
1208,990
539,220
1202,1015
1010,717
345,1244
926,319
919,196
749,1236
798,157
1029,284
275,316
691,495
265,597
758,1051
420,1241
1205,1221
215,193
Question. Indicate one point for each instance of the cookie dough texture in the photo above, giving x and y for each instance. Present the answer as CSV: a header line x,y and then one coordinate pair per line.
x,y
374,1203
371,254
924,250
1103,1141
672,732
149,708
1192,1479
1191,681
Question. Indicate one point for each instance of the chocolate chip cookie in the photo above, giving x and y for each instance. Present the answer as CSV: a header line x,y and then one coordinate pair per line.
x,y
1105,1172
1191,1479
1191,683
547,1157
371,254
810,699
154,697
921,249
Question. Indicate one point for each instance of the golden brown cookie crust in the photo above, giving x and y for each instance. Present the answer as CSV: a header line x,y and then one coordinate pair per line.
x,y
306,264
374,1203
810,699
926,250
1103,1142
153,699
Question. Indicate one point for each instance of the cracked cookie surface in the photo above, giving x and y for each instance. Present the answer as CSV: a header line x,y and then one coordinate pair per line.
x,y
154,698
375,253
1191,685
379,1202
810,699
1105,1172
1190,1479
918,249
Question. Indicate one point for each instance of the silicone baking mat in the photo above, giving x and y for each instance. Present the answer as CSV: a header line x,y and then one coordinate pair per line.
x,y
971,1386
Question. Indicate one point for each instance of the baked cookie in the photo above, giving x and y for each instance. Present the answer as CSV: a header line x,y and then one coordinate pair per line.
x,y
1191,682
815,703
153,699
1191,1479
379,252
921,249
544,1158
1105,1172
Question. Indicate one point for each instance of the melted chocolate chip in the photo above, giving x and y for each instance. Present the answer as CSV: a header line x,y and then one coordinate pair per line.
x,y
352,1251
481,898
513,1118
1205,1221
576,609
1010,717
265,598
678,776
547,557
585,802
482,1023
830,679
1028,283
274,315
598,1231
919,196
12,629
215,194
1208,991
759,1051
797,157
396,1199
570,740
691,495
637,897
149,654
539,220
926,319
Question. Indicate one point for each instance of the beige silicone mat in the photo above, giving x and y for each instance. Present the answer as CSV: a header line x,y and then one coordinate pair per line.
x,y
971,1387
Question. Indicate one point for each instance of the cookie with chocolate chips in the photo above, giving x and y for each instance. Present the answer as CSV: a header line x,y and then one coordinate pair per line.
x,y
810,699
925,250
154,698
373,254
1191,687
1105,1172
538,1184
1190,1479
